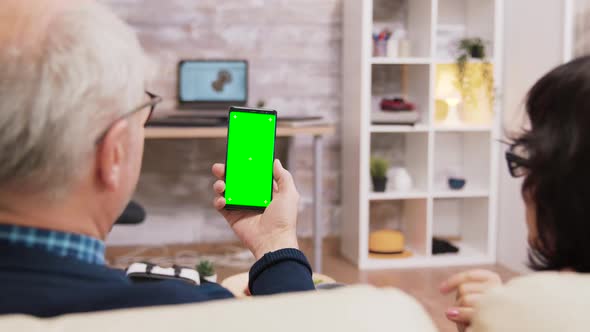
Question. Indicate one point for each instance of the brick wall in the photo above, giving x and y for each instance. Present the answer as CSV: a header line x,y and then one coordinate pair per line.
x,y
294,50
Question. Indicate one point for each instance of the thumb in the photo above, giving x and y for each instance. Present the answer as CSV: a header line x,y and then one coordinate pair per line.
x,y
283,177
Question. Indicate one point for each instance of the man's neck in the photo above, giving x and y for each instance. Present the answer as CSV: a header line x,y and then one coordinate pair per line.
x,y
69,215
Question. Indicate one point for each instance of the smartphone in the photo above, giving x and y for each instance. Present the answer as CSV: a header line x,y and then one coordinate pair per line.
x,y
250,154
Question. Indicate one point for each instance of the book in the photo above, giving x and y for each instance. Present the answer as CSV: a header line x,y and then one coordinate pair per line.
x,y
391,117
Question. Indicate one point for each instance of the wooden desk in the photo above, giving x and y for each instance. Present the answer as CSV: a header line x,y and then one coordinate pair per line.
x,y
221,132
318,132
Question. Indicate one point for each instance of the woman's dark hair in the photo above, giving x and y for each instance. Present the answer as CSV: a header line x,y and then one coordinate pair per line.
x,y
558,177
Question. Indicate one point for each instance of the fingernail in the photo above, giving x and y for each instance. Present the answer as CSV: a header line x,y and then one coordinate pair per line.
x,y
453,312
280,164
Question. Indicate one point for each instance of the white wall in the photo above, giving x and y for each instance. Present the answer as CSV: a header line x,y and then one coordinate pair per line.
x,y
533,44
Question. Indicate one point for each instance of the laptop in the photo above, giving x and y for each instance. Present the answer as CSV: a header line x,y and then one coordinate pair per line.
x,y
206,90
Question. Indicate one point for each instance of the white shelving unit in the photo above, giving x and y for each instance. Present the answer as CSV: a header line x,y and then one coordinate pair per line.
x,y
395,195
399,129
400,61
463,128
429,150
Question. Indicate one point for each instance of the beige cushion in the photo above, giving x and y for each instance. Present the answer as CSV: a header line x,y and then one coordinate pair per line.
x,y
358,308
540,302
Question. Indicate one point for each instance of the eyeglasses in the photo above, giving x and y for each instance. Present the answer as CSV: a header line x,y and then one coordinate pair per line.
x,y
517,162
154,100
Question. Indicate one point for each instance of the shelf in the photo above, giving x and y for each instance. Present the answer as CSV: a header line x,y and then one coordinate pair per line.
x,y
404,149
400,61
468,193
418,128
420,194
414,16
467,256
463,128
397,195
462,154
409,216
452,61
464,218
413,261
467,18
411,83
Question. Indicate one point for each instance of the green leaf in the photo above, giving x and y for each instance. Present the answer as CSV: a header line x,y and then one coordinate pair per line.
x,y
205,268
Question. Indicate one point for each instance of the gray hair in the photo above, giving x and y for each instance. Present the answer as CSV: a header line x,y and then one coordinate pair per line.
x,y
66,72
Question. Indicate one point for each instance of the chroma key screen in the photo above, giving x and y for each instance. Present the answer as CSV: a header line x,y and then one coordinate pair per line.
x,y
250,157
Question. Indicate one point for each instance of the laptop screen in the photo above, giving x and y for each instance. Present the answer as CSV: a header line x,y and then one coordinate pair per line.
x,y
220,83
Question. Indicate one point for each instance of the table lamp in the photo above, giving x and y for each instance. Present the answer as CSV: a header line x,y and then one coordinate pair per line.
x,y
452,118
447,91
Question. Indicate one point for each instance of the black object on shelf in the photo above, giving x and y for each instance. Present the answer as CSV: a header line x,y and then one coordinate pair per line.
x,y
440,246
132,215
379,184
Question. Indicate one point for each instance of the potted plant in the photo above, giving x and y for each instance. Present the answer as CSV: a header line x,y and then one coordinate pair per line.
x,y
471,78
207,271
473,47
379,168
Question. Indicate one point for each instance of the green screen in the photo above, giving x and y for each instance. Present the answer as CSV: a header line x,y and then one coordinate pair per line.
x,y
250,157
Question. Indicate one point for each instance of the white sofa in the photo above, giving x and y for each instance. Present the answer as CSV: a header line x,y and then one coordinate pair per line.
x,y
358,308
540,303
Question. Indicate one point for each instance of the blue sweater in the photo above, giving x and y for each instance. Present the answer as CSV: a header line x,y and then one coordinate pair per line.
x,y
39,283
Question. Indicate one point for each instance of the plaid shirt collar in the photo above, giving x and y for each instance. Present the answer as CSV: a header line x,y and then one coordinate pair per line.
x,y
81,247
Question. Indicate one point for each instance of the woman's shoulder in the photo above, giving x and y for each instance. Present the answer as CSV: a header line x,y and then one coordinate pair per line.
x,y
547,301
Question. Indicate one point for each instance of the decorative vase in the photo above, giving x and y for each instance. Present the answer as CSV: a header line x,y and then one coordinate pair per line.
x,y
379,184
400,179
393,48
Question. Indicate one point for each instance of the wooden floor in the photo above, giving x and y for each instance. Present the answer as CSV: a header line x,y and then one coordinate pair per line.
x,y
420,283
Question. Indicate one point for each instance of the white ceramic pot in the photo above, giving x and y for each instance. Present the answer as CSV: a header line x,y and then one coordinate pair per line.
x,y
212,278
399,179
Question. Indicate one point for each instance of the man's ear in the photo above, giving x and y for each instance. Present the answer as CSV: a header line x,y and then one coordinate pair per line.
x,y
111,155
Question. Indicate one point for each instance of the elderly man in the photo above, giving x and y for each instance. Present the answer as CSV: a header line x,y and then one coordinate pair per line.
x,y
72,110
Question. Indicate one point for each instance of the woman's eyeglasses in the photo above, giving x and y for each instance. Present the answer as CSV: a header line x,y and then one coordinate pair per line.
x,y
151,103
517,162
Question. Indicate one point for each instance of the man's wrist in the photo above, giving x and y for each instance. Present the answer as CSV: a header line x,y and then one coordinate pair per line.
x,y
276,245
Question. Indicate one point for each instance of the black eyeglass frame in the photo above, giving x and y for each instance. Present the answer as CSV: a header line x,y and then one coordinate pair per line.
x,y
154,100
515,162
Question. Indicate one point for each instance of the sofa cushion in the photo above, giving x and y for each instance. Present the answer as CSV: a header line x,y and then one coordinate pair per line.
x,y
540,302
357,308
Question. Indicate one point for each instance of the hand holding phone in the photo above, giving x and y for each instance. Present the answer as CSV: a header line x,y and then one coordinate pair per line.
x,y
271,230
